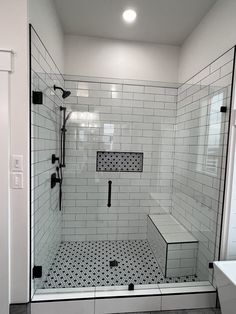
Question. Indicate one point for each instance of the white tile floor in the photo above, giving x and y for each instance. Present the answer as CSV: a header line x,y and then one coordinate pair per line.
x,y
87,264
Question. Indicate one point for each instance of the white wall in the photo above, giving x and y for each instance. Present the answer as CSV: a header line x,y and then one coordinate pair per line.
x,y
90,56
5,68
14,35
214,35
43,17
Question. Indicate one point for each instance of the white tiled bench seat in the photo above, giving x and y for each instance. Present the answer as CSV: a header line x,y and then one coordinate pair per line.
x,y
174,247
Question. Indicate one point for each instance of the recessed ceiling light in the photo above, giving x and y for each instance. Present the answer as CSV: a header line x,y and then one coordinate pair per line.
x,y
129,16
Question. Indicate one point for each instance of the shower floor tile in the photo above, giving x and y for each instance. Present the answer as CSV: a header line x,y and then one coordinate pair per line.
x,y
87,264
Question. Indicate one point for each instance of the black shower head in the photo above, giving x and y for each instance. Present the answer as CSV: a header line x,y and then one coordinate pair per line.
x,y
65,93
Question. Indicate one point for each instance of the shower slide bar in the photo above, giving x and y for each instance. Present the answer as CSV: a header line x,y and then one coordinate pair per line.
x,y
63,133
63,136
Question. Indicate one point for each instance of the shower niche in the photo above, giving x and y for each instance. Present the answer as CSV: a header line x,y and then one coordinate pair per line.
x,y
119,161
163,147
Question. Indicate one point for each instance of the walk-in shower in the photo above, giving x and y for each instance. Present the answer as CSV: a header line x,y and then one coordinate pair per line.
x,y
141,171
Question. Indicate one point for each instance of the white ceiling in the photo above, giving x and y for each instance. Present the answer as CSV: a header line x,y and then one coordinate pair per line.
x,y
158,21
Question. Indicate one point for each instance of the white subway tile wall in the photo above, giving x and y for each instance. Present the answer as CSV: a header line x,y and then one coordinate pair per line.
x,y
123,118
45,126
200,157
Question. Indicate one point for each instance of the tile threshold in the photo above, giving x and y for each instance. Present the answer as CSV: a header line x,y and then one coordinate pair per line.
x,y
116,292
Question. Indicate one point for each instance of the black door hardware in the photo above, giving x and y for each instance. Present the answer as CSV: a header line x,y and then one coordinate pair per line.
x,y
109,193
37,98
37,272
223,109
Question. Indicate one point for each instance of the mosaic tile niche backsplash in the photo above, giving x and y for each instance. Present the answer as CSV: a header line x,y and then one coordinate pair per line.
x,y
119,162
117,117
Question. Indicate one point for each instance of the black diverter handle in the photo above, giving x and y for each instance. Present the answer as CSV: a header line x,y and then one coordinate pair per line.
x,y
109,193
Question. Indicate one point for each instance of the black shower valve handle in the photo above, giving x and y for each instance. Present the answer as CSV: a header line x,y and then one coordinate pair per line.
x,y
54,158
109,193
54,180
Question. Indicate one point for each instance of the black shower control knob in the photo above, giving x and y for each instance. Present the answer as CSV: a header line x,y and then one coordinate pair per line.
x,y
54,158
54,180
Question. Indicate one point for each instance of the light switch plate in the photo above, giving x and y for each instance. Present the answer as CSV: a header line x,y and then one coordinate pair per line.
x,y
16,163
17,180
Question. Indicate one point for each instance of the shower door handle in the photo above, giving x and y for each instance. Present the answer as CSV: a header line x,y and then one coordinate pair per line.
x,y
109,193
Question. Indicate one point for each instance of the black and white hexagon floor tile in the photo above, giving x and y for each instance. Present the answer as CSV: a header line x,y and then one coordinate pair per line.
x,y
87,264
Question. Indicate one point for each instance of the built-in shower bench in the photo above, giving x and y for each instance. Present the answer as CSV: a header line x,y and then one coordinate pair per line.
x,y
174,247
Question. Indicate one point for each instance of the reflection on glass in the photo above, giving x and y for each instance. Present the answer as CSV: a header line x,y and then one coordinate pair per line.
x,y
209,145
109,129
213,144
86,119
82,93
113,87
82,137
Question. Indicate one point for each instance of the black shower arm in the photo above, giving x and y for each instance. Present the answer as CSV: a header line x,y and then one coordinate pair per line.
x,y
57,87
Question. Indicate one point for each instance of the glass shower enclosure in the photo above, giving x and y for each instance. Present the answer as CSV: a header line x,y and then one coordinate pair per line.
x,y
127,177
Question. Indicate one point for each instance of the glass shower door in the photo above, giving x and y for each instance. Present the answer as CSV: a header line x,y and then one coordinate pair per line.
x,y
204,105
45,127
